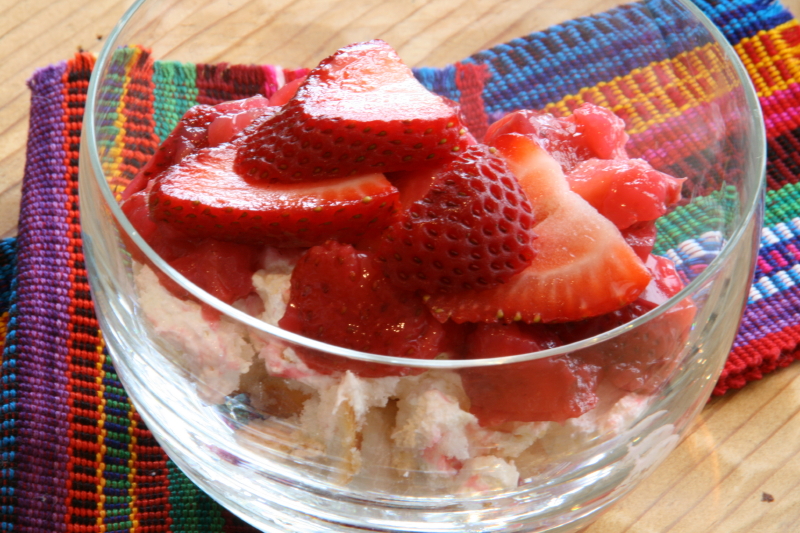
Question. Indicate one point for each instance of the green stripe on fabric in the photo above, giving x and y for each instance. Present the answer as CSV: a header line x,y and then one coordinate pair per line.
x,y
191,509
109,102
116,460
782,204
702,214
175,92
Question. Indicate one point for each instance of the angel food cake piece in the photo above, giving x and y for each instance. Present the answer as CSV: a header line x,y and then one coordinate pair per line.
x,y
355,208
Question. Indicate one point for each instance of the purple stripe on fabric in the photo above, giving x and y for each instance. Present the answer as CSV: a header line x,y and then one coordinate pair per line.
x,y
684,135
768,316
782,110
43,304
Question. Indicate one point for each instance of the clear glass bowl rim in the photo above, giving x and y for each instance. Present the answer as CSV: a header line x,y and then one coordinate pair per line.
x,y
756,161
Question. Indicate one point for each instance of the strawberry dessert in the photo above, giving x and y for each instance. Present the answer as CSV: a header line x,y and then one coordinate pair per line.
x,y
354,208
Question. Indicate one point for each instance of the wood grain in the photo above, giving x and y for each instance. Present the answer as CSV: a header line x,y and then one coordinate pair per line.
x,y
741,448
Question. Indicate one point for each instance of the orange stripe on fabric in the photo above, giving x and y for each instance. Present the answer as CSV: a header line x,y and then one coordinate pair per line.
x,y
772,58
653,94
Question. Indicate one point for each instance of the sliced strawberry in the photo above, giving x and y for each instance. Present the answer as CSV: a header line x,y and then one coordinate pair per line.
x,y
625,191
641,359
470,230
203,197
583,267
201,126
165,241
590,132
360,111
190,133
339,296
558,137
550,389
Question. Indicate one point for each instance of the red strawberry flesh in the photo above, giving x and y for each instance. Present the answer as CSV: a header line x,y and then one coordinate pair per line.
x,y
360,111
201,126
590,132
625,191
641,359
203,197
548,389
339,296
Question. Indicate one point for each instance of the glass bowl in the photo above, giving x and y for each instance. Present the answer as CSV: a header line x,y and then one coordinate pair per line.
x,y
288,448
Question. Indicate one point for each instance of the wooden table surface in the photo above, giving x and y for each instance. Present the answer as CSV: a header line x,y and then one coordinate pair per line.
x,y
736,471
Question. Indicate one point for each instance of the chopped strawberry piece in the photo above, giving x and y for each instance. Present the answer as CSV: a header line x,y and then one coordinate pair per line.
x,y
287,92
549,389
590,132
203,197
339,296
360,111
641,359
641,237
471,229
558,137
583,267
166,242
222,269
602,132
235,117
625,191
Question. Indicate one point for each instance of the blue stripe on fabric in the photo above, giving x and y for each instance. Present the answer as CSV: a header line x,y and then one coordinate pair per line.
x,y
546,66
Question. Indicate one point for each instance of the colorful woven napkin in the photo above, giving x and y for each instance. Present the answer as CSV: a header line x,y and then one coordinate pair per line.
x,y
75,454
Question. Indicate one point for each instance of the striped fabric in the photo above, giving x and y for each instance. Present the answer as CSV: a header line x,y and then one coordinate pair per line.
x,y
76,457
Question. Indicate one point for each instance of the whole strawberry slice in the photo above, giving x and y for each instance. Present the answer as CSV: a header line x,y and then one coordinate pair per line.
x,y
203,197
548,389
339,296
583,266
360,111
471,228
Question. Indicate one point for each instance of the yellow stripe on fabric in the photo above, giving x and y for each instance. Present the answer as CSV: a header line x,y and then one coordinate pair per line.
x,y
657,92
101,465
772,57
114,157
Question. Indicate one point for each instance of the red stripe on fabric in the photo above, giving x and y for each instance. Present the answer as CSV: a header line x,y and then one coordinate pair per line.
x,y
470,80
140,141
762,356
221,82
782,110
152,489
84,481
